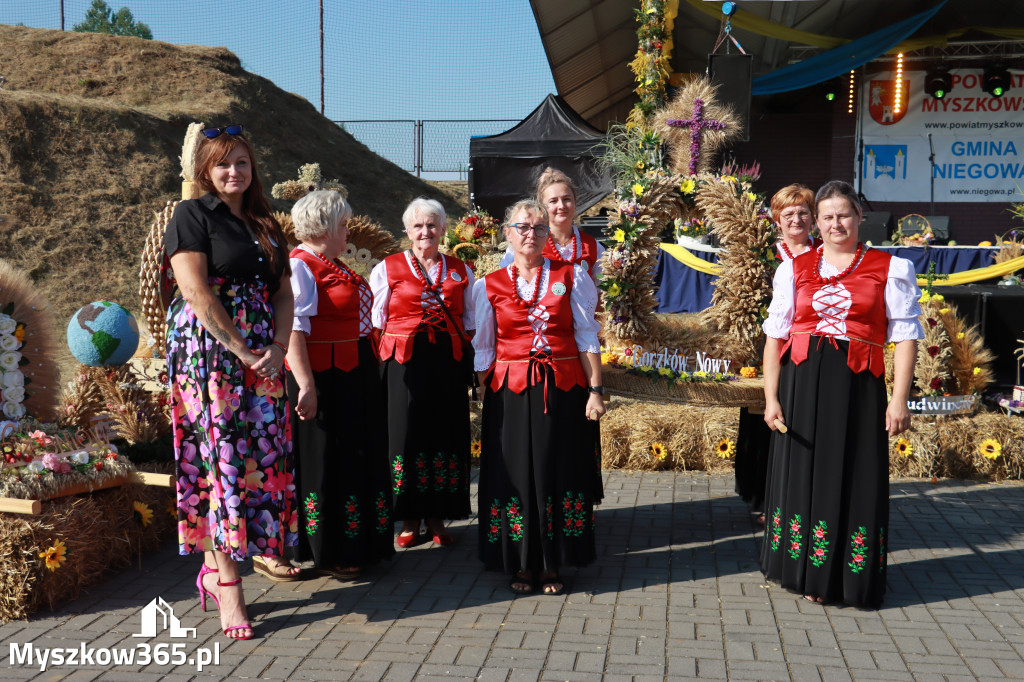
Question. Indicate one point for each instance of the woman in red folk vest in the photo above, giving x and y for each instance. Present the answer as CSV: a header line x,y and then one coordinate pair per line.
x,y
565,243
827,503
793,213
539,358
335,391
421,304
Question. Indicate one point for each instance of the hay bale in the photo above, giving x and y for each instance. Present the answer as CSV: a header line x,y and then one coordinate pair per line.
x,y
688,433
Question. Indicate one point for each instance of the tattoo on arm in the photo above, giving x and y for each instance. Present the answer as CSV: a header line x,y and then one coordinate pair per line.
x,y
215,329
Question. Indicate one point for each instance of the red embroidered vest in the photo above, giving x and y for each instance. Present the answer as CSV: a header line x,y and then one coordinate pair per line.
x,y
588,255
406,312
514,335
334,330
866,321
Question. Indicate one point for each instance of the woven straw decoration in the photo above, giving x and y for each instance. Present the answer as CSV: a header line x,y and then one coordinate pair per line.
x,y
153,279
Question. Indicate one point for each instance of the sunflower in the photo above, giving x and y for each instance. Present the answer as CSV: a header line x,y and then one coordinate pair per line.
x,y
659,451
143,514
55,556
904,447
172,509
725,448
990,448
475,448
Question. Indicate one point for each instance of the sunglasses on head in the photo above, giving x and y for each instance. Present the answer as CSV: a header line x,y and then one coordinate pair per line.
x,y
216,132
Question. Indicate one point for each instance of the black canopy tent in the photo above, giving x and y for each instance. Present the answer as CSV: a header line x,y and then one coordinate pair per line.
x,y
503,168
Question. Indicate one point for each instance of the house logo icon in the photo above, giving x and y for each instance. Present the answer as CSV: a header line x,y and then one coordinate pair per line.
x,y
158,611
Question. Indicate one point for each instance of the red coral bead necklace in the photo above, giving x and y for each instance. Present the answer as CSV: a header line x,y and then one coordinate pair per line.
x,y
341,270
536,287
835,278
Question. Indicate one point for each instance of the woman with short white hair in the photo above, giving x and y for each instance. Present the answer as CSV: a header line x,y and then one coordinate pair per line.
x,y
335,391
423,309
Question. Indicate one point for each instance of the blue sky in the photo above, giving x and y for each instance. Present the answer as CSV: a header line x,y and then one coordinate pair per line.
x,y
384,59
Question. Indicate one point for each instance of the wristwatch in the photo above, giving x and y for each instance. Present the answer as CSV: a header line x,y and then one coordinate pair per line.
x,y
596,389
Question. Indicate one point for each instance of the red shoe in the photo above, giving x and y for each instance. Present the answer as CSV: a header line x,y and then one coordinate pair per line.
x,y
409,540
443,540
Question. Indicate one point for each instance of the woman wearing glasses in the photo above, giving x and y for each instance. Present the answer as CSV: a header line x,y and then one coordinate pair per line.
x,y
422,308
538,356
557,193
228,330
793,213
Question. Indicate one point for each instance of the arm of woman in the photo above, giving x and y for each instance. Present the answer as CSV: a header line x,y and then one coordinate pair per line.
x,y
283,304
190,273
583,300
770,367
897,415
298,363
306,300
484,339
776,328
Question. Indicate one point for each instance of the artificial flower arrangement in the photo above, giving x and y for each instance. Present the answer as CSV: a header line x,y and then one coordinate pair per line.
x,y
673,377
38,463
476,240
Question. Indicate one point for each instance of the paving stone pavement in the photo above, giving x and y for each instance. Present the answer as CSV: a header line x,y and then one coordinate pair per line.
x,y
675,594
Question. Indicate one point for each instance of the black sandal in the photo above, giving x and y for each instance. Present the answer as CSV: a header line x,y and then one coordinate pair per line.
x,y
516,583
556,584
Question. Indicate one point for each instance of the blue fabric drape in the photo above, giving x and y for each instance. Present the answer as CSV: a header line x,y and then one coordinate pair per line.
x,y
684,290
840,60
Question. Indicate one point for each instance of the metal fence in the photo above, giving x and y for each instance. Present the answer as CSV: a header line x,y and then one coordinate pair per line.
x,y
425,146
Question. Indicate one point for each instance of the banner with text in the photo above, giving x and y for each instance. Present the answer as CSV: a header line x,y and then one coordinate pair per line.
x,y
977,140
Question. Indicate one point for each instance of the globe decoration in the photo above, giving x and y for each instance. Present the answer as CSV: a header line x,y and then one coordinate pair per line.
x,y
102,334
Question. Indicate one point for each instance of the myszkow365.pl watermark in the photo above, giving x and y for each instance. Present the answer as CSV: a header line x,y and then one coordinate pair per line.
x,y
157,615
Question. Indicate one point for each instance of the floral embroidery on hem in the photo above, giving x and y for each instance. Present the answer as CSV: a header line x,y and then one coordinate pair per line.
x,y
820,547
796,538
383,515
398,472
776,535
312,514
515,520
574,513
352,516
858,550
494,531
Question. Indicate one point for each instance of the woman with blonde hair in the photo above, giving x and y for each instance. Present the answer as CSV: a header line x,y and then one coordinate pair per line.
x,y
565,242
538,356
228,330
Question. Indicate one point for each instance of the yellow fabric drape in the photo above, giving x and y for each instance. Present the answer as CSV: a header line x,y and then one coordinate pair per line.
x,y
685,257
751,22
968,276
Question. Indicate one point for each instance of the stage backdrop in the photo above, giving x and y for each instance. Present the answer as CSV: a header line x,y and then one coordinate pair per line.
x,y
978,140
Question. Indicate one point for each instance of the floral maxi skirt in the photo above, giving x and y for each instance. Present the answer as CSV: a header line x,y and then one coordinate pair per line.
x,y
232,440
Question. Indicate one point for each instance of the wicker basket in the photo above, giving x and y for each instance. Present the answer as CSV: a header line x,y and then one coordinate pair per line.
x,y
747,393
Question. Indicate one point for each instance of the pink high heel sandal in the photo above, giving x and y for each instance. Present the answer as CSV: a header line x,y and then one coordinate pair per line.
x,y
203,592
232,628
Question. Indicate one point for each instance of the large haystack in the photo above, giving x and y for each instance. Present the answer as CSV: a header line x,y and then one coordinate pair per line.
x,y
92,130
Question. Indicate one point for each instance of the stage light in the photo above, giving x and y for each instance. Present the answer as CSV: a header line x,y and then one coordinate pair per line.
x,y
996,80
829,88
897,99
938,82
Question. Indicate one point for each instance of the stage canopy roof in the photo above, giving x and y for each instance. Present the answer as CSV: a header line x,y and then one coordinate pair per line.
x,y
590,42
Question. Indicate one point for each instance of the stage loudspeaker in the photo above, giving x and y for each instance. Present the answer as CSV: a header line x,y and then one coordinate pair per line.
x,y
732,72
876,227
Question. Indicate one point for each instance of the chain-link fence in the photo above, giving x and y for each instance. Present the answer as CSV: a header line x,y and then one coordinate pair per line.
x,y
440,146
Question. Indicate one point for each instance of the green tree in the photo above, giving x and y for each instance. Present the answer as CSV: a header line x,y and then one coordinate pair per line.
x,y
100,19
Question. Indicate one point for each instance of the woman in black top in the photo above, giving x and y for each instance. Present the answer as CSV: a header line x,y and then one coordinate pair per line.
x,y
228,327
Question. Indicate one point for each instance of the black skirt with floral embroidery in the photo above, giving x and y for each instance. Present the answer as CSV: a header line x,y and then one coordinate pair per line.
x,y
539,479
344,489
428,432
827,503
